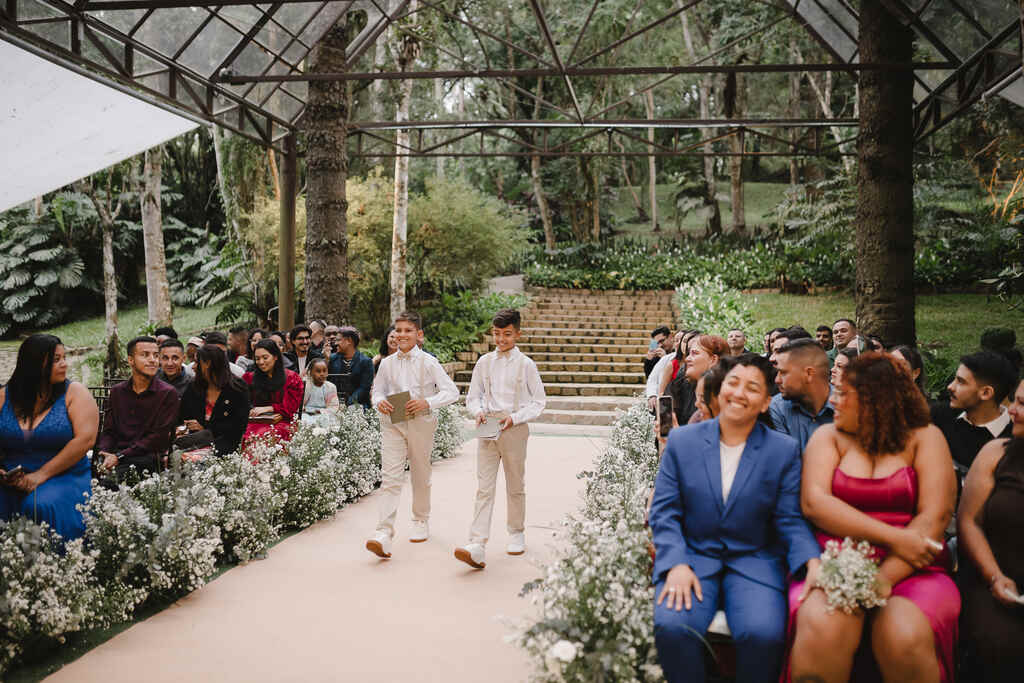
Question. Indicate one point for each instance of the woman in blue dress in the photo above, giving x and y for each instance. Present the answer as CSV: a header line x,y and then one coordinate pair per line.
x,y
47,424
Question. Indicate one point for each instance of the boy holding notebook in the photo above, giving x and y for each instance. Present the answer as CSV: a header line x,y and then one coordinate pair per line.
x,y
409,388
505,393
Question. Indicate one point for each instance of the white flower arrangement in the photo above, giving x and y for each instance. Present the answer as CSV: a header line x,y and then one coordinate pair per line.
x,y
849,576
596,620
163,535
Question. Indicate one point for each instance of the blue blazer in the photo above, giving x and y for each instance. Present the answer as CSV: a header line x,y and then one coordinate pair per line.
x,y
758,532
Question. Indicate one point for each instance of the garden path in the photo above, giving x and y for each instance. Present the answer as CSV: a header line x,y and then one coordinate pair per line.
x,y
322,608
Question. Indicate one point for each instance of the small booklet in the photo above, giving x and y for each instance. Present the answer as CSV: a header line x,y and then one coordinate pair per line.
x,y
1017,598
398,401
490,428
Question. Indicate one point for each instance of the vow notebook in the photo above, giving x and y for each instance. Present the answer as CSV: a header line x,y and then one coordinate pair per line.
x,y
489,429
398,401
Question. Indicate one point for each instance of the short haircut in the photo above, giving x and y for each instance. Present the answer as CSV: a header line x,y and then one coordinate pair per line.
x,y
823,328
808,353
239,329
993,369
506,317
300,328
753,360
349,332
796,332
165,332
847,320
167,343
215,337
660,330
144,339
777,329
411,317
736,329
998,339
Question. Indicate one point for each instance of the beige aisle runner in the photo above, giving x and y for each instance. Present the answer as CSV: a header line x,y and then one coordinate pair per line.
x,y
322,608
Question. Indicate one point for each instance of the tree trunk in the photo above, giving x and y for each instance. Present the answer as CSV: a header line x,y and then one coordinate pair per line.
x,y
112,362
596,206
714,220
439,101
794,113
326,130
735,104
652,169
158,293
884,289
542,202
408,49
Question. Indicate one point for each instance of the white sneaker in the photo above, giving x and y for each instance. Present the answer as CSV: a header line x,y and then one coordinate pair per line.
x,y
472,554
380,545
419,532
516,544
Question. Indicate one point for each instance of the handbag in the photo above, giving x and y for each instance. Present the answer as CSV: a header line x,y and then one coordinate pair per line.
x,y
190,442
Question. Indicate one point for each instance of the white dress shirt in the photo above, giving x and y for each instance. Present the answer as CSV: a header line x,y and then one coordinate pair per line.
x,y
654,380
730,457
502,367
418,373
995,427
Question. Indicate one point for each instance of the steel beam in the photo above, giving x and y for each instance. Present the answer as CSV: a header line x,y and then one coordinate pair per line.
x,y
607,123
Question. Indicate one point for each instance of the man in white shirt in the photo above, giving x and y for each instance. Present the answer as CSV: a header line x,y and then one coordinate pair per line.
x,y
506,386
410,437
658,373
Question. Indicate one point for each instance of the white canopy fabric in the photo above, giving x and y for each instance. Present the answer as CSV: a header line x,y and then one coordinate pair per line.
x,y
57,126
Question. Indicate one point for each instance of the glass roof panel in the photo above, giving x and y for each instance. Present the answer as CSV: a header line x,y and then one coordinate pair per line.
x,y
956,31
242,17
210,47
167,29
294,16
57,32
274,38
833,21
252,60
35,9
123,20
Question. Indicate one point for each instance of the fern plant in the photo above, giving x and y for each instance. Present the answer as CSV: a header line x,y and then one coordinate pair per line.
x,y
39,270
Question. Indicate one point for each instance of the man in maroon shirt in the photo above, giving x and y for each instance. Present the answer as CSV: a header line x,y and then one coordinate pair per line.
x,y
141,414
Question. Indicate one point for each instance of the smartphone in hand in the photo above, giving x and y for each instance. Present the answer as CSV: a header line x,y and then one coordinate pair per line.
x,y
665,414
11,473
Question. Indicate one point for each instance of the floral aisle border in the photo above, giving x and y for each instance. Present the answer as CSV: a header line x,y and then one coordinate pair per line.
x,y
164,536
596,622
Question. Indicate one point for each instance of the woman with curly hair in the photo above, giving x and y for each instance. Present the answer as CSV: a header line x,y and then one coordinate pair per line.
x,y
881,473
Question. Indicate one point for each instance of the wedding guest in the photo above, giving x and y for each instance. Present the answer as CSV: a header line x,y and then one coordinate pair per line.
x,y
172,368
705,350
238,347
140,415
388,345
802,376
276,393
668,364
881,473
823,334
301,337
727,533
661,344
255,337
320,394
279,338
317,336
737,342
47,423
990,524
191,346
351,371
216,401
219,340
842,359
162,334
912,361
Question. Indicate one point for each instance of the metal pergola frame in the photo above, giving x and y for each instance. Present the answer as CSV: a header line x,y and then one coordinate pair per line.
x,y
80,34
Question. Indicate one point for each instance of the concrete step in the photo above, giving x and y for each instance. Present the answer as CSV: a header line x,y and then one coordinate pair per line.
x,y
586,358
588,377
577,389
577,417
634,307
595,340
590,403
588,324
605,330
561,346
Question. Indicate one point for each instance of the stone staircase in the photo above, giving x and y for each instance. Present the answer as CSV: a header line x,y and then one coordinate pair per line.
x,y
589,348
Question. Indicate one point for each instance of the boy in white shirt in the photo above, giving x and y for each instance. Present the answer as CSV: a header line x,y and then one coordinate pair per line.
x,y
505,385
430,388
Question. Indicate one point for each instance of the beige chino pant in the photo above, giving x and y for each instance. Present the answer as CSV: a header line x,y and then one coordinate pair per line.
x,y
411,441
509,450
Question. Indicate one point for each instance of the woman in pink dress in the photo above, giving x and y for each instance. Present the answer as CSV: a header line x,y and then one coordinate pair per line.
x,y
273,390
882,473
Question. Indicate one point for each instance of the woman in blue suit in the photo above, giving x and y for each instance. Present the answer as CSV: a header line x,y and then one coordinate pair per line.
x,y
727,528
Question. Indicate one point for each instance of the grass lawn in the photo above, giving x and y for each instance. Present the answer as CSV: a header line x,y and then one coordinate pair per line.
x,y
760,199
948,323
89,332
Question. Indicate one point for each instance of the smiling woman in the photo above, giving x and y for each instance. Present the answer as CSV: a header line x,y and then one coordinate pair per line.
x,y
729,532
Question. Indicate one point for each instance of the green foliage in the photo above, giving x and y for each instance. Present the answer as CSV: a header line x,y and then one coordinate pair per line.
x,y
457,320
709,305
40,270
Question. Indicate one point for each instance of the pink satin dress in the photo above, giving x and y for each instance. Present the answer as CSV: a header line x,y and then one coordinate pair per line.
x,y
893,500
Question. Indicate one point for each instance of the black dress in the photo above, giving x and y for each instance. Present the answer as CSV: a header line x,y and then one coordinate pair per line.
x,y
229,417
995,631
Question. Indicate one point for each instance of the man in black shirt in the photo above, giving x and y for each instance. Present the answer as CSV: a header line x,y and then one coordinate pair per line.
x,y
661,344
975,414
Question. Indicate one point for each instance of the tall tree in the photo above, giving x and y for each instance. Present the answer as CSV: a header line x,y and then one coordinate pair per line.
x,y
108,207
734,100
326,131
538,184
408,50
158,292
884,289
652,169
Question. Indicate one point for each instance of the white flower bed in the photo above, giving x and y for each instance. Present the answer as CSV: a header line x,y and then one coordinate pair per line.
x,y
164,536
595,600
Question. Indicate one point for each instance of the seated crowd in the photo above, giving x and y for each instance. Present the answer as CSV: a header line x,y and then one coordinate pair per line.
x,y
827,437
204,398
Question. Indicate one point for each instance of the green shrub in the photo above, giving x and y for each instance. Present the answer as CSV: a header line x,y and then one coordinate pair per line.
x,y
455,321
710,305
